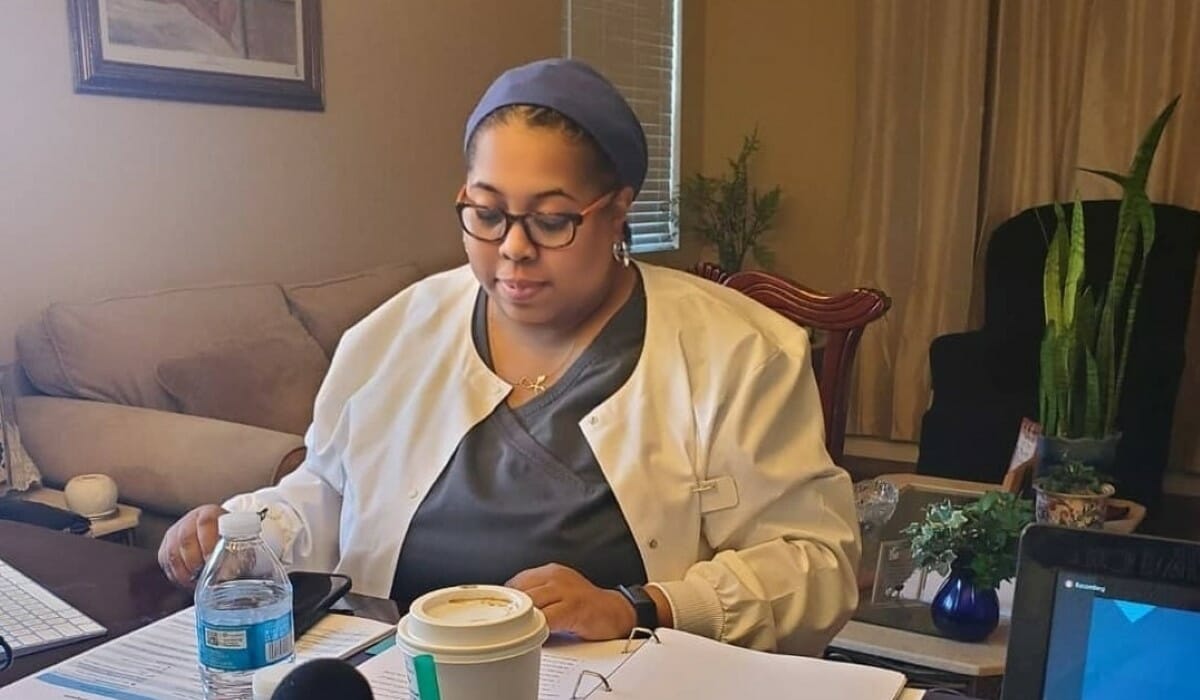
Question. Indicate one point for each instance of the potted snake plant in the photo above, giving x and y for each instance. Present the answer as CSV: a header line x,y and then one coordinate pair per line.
x,y
1085,346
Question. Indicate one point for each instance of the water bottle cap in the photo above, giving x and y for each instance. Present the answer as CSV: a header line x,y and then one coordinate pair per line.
x,y
242,524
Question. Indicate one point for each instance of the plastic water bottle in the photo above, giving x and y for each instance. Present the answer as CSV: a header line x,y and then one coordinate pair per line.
x,y
243,610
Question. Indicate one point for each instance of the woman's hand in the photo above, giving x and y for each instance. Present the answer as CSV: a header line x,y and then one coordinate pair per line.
x,y
188,543
572,604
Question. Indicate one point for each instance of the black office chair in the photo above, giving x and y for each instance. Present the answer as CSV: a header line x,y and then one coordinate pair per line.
x,y
985,381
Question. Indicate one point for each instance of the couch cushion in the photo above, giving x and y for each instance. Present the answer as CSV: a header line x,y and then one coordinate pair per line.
x,y
269,381
329,308
110,350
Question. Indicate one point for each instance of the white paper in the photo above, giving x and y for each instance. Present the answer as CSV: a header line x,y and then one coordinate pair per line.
x,y
687,666
561,666
158,662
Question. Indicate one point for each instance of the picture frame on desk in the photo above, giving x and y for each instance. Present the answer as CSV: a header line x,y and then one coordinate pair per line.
x,y
260,53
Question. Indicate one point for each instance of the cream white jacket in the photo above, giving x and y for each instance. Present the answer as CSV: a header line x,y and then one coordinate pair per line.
x,y
714,449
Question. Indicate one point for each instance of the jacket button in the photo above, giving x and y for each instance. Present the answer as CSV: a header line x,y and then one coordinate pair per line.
x,y
653,544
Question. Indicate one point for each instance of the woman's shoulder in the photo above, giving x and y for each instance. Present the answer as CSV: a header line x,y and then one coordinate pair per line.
x,y
700,312
424,301
424,312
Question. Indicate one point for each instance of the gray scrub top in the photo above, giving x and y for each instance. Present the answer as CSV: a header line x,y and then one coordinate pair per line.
x,y
523,488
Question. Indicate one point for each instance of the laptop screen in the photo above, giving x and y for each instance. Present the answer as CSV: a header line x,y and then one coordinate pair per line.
x,y
1114,637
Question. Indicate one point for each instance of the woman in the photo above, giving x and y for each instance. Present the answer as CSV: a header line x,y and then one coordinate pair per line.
x,y
628,444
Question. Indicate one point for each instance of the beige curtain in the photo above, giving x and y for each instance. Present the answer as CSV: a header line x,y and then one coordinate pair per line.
x,y
921,69
1075,82
970,112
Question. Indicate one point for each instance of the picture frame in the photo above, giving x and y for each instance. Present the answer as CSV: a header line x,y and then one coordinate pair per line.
x,y
260,53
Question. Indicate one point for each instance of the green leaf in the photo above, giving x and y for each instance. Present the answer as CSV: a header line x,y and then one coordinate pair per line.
x,y
1146,220
1054,271
1044,380
1075,264
1139,170
1093,415
1108,175
1063,373
1048,383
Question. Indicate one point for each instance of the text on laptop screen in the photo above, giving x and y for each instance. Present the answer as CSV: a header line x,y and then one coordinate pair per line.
x,y
1108,640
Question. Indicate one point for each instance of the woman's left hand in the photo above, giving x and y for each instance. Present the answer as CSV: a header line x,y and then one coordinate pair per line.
x,y
572,604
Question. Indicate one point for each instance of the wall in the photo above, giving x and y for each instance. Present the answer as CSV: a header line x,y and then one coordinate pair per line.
x,y
787,67
102,195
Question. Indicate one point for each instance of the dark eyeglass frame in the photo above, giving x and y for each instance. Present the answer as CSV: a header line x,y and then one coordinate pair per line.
x,y
575,218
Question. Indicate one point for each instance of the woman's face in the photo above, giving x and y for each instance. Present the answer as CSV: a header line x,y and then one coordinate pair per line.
x,y
520,169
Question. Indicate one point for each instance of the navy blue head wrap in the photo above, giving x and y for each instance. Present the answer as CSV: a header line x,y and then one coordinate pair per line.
x,y
575,90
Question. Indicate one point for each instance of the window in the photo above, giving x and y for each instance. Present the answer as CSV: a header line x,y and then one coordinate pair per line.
x,y
635,44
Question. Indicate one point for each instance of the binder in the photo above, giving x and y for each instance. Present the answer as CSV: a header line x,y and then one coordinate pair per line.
x,y
674,664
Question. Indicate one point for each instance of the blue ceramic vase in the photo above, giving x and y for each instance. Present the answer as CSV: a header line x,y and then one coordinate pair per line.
x,y
963,611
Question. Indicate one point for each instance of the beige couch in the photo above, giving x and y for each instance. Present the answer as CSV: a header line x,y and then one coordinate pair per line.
x,y
185,396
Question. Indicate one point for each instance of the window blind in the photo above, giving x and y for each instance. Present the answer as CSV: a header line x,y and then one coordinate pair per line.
x,y
635,44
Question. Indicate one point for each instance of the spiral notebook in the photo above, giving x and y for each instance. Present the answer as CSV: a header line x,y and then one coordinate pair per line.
x,y
680,665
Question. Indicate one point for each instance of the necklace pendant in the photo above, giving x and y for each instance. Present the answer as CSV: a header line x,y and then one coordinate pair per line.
x,y
537,385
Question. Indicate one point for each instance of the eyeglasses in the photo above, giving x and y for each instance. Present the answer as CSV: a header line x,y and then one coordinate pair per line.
x,y
544,229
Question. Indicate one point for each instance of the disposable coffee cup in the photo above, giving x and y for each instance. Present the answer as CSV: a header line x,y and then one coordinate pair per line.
x,y
485,641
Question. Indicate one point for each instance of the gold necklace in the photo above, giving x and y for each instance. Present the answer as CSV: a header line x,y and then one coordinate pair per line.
x,y
537,385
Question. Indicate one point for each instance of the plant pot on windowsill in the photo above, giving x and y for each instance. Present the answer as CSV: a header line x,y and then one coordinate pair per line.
x,y
1073,495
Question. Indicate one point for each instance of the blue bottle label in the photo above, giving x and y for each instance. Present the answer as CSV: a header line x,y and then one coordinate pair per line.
x,y
245,647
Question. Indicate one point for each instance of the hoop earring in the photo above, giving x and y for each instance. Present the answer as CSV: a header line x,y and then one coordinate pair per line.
x,y
620,251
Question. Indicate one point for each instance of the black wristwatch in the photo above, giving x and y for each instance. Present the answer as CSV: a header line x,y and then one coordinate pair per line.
x,y
643,605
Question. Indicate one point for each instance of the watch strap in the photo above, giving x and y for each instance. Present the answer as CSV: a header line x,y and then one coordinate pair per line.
x,y
643,605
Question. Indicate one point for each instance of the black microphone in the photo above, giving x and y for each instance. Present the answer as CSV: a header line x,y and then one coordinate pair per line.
x,y
321,679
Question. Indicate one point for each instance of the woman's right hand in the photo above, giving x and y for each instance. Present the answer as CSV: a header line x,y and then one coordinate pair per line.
x,y
188,543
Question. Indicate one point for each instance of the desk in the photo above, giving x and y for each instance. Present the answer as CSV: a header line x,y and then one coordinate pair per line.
x,y
120,587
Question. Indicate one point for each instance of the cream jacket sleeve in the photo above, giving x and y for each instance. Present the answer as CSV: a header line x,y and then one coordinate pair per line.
x,y
782,577
304,510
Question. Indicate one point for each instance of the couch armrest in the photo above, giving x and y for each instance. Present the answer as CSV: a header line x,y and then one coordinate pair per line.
x,y
165,462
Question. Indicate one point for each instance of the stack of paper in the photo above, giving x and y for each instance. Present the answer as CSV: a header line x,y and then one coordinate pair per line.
x,y
158,662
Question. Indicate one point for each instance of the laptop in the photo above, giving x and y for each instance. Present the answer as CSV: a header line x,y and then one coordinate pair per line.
x,y
1099,615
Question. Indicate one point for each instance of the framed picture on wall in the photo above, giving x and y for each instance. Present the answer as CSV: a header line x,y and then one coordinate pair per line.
x,y
263,53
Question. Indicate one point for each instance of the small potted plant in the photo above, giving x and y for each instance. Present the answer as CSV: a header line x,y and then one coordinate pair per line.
x,y
975,547
728,213
1072,494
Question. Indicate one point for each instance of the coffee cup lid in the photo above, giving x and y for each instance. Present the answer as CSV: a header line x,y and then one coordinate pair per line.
x,y
472,624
